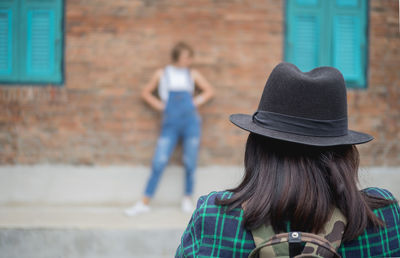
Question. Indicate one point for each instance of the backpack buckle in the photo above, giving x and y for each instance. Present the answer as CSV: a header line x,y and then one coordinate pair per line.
x,y
294,237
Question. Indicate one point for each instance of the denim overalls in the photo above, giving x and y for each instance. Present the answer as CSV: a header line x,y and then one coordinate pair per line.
x,y
180,121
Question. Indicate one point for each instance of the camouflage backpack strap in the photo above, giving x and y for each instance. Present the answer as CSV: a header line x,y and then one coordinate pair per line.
x,y
261,236
291,238
333,232
325,244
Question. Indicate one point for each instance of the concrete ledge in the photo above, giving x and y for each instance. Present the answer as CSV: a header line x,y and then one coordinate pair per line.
x,y
93,185
89,232
122,185
60,211
104,217
90,243
384,177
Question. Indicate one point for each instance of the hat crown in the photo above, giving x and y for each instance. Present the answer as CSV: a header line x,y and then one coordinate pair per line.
x,y
307,108
318,94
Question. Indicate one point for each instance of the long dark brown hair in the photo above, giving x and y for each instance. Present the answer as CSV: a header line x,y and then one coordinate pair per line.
x,y
288,182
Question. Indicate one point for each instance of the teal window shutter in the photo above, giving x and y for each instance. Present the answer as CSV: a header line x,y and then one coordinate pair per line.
x,y
42,41
349,40
5,41
347,3
307,2
303,33
8,51
328,32
35,55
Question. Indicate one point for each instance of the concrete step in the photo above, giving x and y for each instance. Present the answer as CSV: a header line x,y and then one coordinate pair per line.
x,y
49,211
89,232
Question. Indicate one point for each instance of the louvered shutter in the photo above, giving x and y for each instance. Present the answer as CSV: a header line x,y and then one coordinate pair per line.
x,y
8,52
332,33
303,30
307,2
42,44
349,40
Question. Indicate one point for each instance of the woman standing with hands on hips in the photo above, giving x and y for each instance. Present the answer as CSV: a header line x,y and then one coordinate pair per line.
x,y
176,84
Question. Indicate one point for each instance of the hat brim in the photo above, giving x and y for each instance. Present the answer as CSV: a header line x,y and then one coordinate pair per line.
x,y
245,122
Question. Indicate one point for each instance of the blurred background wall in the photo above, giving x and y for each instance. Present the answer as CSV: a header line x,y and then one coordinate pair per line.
x,y
93,113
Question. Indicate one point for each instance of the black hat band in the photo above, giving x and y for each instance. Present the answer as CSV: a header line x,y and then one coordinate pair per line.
x,y
301,125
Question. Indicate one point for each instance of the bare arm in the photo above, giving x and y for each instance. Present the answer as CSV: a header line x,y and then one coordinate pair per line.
x,y
147,92
207,91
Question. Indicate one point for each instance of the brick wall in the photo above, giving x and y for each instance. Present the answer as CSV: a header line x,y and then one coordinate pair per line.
x,y
113,47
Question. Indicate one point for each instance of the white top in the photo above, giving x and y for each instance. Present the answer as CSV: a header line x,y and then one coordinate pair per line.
x,y
175,79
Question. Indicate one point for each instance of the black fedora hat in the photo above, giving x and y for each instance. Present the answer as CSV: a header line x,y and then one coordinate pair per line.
x,y
307,108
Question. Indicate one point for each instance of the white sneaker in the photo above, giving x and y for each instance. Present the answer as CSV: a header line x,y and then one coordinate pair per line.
x,y
138,208
187,205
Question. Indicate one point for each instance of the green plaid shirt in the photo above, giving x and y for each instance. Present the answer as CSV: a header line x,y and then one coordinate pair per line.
x,y
213,232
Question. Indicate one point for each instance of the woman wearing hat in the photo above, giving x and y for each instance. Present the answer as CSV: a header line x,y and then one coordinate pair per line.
x,y
299,192
176,84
